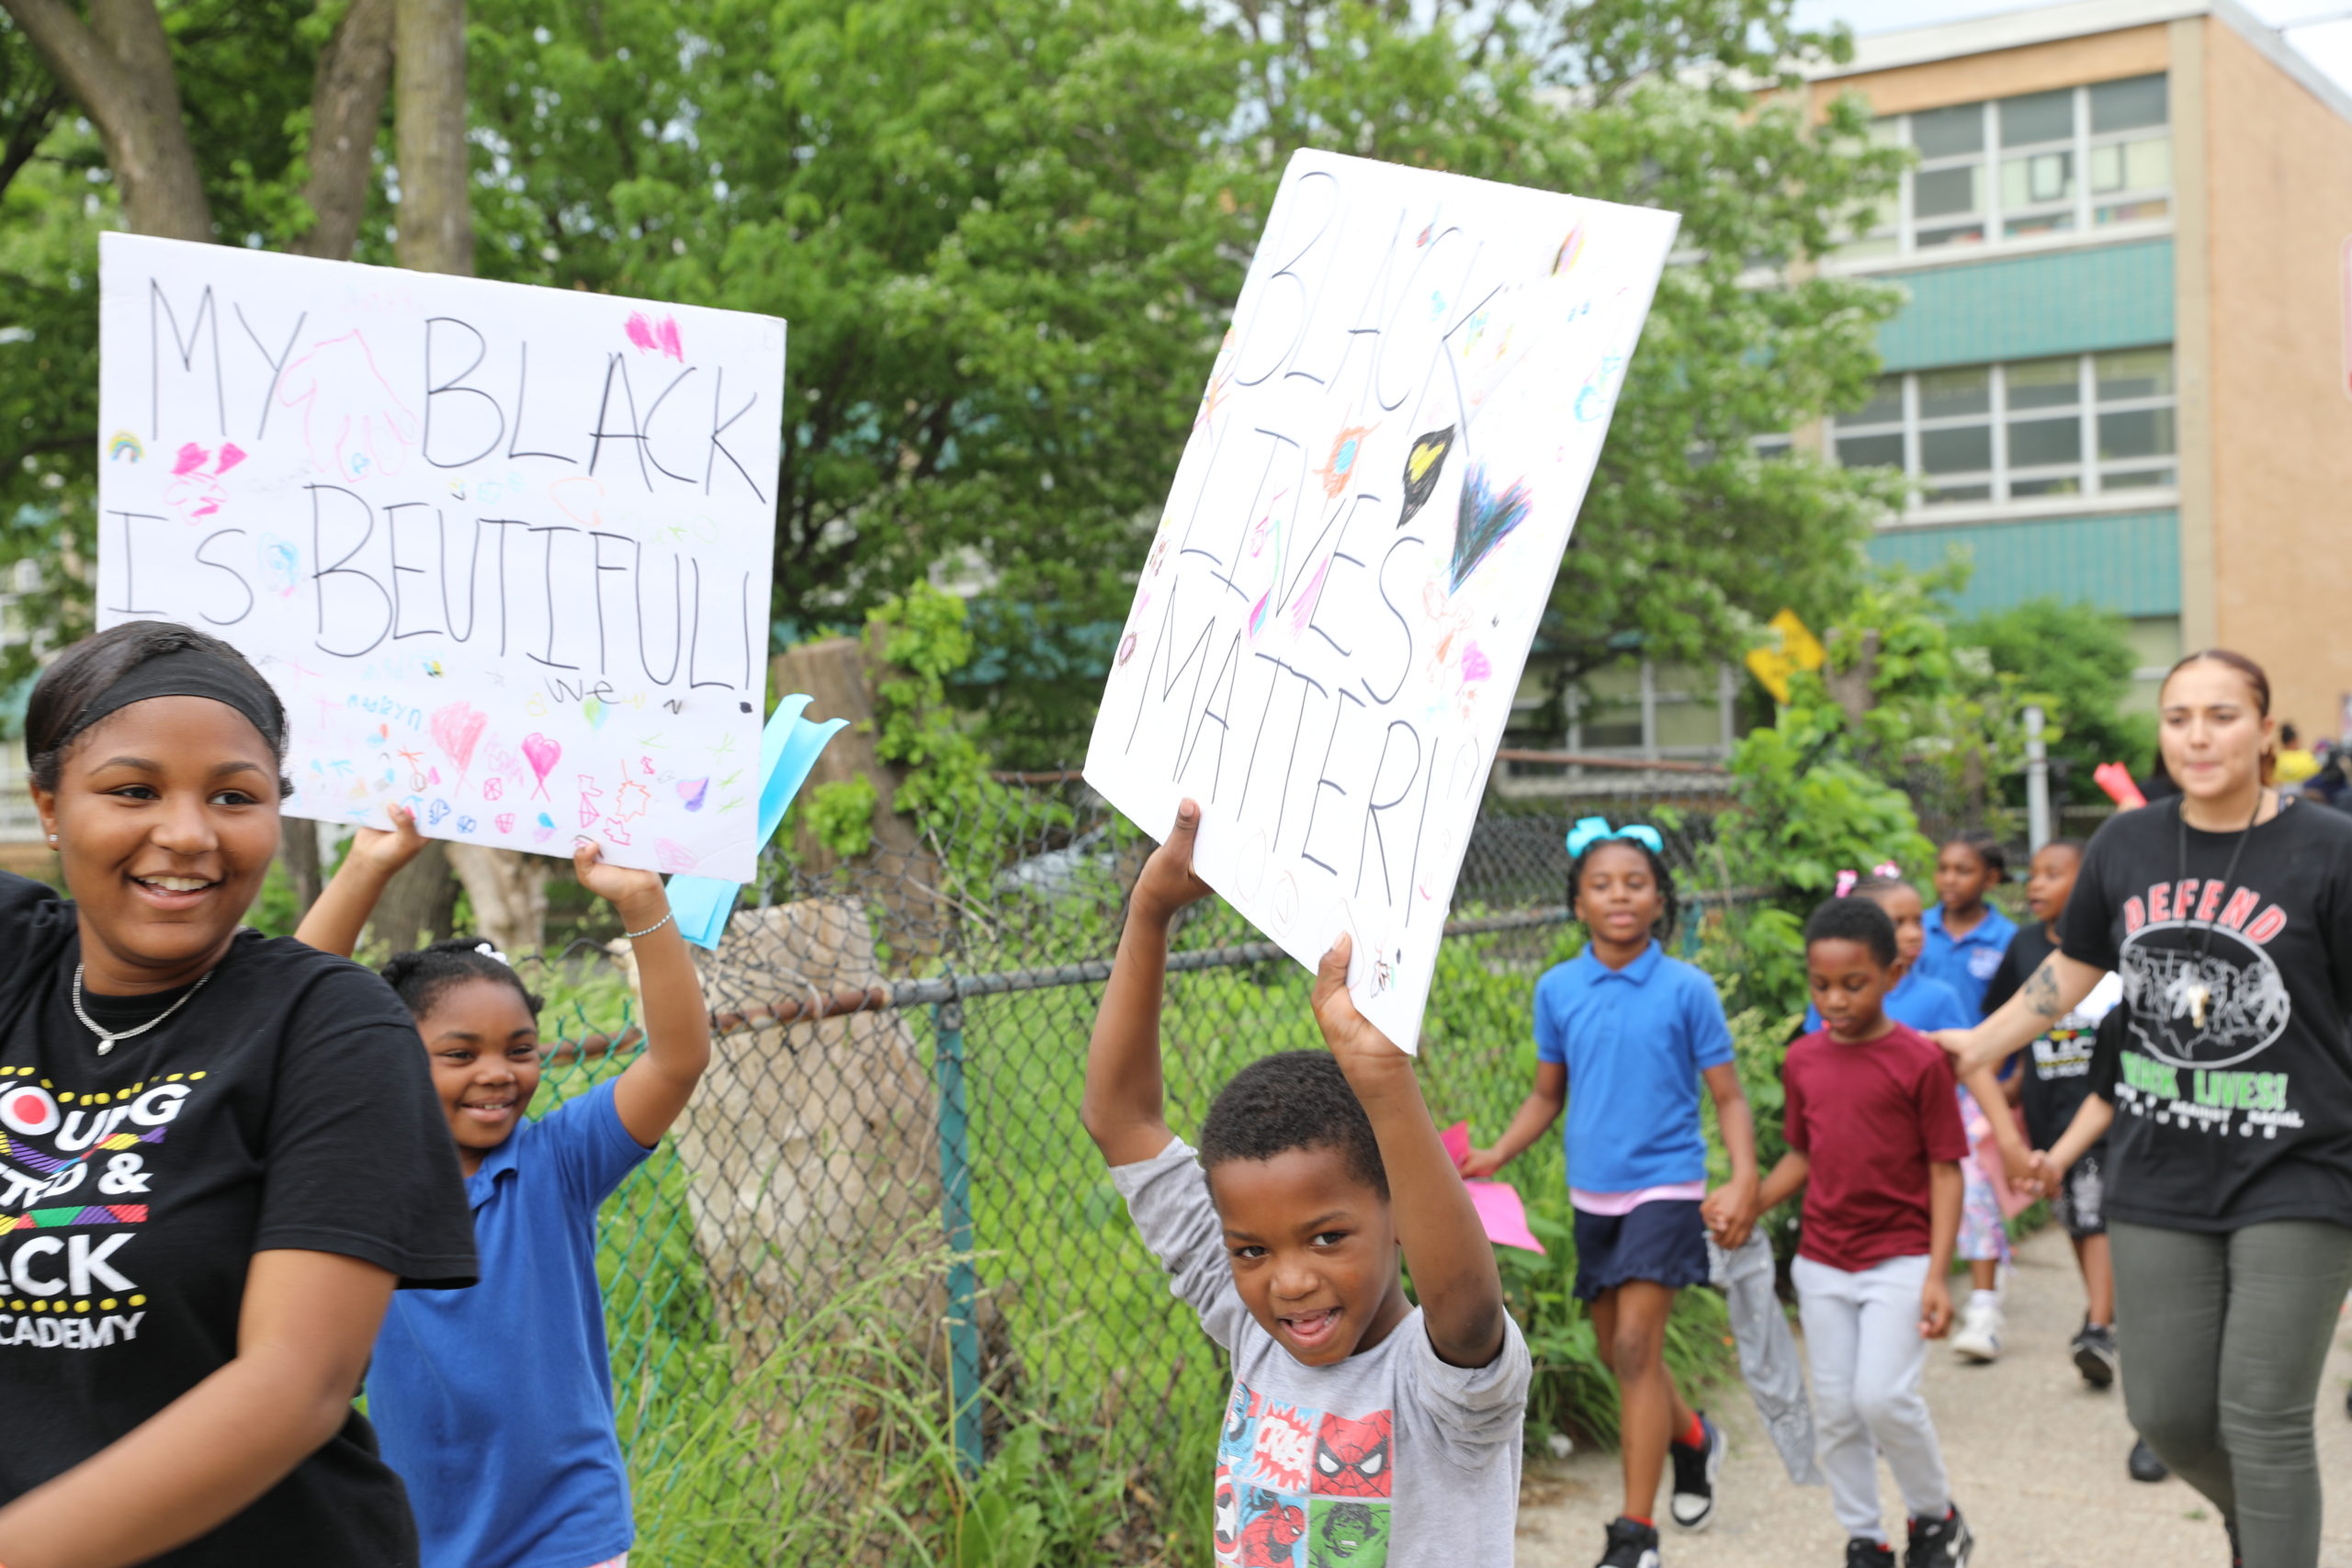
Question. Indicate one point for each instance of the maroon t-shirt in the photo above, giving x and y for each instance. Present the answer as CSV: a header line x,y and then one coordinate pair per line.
x,y
1871,1117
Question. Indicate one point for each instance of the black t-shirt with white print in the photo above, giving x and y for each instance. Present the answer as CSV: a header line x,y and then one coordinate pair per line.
x,y
287,1105
2247,1116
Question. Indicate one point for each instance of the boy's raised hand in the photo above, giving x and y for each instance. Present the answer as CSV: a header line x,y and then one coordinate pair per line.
x,y
1349,1034
1168,882
1453,1264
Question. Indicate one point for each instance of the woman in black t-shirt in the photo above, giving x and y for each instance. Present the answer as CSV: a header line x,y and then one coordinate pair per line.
x,y
219,1153
2229,1088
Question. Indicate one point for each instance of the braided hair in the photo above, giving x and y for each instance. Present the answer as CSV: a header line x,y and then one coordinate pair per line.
x,y
421,978
1663,927
1986,848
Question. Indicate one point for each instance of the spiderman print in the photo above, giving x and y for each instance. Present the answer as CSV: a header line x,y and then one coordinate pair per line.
x,y
1351,1456
1298,1487
1274,1530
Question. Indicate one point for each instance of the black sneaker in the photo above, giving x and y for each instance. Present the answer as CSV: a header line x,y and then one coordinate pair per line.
x,y
1630,1545
2094,1355
1692,1505
1860,1553
1939,1543
2143,1464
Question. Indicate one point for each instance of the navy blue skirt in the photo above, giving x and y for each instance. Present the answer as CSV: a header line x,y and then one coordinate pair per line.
x,y
1663,1241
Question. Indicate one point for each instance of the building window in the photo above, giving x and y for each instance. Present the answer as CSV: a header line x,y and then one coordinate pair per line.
x,y
2033,429
2009,171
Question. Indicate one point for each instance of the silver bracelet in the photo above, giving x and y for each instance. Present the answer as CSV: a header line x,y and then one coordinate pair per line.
x,y
648,930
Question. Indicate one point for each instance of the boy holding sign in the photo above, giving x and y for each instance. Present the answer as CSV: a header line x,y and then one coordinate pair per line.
x,y
1356,1419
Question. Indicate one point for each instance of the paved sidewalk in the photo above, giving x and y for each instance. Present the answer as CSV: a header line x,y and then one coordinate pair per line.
x,y
2036,1459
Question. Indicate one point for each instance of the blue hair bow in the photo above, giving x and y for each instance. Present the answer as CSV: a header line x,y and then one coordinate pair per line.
x,y
1591,830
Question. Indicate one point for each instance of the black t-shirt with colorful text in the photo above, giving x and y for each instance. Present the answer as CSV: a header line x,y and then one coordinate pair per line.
x,y
2057,1062
287,1105
2230,1074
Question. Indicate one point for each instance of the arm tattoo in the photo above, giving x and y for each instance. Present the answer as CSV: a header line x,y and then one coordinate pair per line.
x,y
2041,991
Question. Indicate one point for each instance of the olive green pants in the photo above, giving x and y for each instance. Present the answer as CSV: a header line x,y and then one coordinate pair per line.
x,y
2223,1336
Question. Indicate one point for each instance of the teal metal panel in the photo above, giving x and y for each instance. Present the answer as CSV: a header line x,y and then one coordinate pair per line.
x,y
2056,302
2129,563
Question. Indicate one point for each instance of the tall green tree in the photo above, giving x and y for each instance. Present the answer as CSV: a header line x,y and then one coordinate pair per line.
x,y
2076,661
1008,234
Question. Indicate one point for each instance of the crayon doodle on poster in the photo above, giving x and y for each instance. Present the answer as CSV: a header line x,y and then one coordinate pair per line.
x,y
484,539
1333,617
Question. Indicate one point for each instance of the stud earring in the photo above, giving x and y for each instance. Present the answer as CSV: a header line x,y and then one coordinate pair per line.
x,y
52,838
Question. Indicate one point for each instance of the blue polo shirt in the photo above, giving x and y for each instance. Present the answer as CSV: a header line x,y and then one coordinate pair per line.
x,y
1916,1002
1635,1040
1966,963
495,1404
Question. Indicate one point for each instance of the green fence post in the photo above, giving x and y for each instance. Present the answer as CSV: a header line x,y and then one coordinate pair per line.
x,y
955,1211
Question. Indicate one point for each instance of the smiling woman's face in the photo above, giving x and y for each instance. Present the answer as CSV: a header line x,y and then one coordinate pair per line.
x,y
165,814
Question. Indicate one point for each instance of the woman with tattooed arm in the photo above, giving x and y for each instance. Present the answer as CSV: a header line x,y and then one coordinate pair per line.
x,y
2229,1089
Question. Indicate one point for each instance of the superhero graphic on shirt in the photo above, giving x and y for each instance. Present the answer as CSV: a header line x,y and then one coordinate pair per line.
x,y
1302,1488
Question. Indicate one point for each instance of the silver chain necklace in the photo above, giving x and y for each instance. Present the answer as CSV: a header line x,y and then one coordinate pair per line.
x,y
107,1037
2199,994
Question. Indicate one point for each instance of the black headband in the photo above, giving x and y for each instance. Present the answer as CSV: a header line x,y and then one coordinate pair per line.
x,y
189,673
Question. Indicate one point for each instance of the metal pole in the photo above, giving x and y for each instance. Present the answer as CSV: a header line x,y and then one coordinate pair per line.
x,y
955,1212
2037,780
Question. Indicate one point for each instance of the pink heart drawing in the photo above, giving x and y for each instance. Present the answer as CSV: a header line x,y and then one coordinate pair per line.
x,y
693,792
542,754
457,730
674,856
506,821
649,335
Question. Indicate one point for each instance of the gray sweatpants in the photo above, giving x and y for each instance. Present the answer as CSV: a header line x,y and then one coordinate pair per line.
x,y
2223,1339
1861,1334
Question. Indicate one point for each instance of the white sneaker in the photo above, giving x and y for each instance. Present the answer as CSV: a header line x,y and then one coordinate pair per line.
x,y
1978,1338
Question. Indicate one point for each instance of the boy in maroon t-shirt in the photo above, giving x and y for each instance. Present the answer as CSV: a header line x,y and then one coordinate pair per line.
x,y
1875,1140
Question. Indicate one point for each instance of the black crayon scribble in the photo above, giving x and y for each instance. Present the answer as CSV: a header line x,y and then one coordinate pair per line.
x,y
1423,463
1485,521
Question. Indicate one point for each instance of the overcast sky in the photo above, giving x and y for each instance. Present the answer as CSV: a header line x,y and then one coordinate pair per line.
x,y
2328,44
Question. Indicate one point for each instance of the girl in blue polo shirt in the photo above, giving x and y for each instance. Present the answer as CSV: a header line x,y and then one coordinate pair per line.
x,y
1623,1037
496,1404
1966,935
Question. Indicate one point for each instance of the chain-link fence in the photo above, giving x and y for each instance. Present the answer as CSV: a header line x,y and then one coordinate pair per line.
x,y
876,1300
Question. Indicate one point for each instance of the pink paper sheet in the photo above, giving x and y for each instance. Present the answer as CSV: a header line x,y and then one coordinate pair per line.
x,y
1501,1211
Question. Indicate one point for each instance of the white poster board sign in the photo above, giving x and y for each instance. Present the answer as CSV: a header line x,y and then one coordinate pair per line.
x,y
1330,626
504,551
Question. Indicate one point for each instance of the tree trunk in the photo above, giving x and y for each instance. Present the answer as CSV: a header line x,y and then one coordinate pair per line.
x,y
346,108
841,675
419,903
509,890
298,851
436,228
119,68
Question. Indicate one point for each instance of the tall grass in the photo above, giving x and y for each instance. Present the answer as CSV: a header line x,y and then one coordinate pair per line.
x,y
837,1445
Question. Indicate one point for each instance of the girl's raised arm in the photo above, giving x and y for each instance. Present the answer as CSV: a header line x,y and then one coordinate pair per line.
x,y
334,922
655,1088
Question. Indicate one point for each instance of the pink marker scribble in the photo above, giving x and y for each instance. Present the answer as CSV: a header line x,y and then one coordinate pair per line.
x,y
649,335
190,458
675,857
230,456
1474,667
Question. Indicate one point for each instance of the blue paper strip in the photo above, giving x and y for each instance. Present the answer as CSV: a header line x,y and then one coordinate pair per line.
x,y
790,747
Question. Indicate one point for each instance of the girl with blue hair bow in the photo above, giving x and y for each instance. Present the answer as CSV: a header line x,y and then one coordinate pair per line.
x,y
1634,1033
